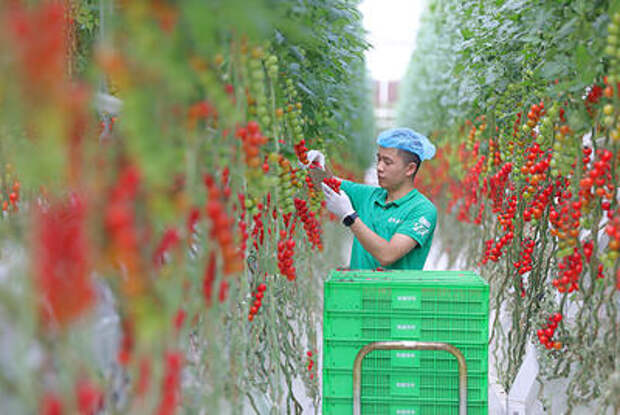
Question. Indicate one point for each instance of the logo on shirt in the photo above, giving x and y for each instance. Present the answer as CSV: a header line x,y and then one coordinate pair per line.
x,y
424,222
394,220
421,226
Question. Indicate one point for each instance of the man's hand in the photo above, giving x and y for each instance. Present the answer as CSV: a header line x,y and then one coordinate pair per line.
x,y
315,155
337,203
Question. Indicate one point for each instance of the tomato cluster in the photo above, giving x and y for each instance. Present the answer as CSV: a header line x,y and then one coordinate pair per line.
x,y
62,263
88,396
310,223
200,111
333,182
497,186
209,279
310,363
171,383
170,238
11,192
470,188
545,334
493,250
535,168
302,152
286,250
315,195
613,231
597,180
285,184
259,294
570,269
525,264
122,229
221,228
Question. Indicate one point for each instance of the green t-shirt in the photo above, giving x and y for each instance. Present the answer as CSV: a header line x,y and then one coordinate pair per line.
x,y
412,215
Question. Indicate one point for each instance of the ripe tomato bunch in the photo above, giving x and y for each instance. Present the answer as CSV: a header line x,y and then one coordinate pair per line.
x,y
545,334
475,133
535,168
536,208
310,223
201,110
221,228
122,230
570,269
505,218
259,294
494,248
525,264
333,182
286,251
170,238
613,231
565,218
302,152
11,192
597,180
533,116
252,139
208,280
470,188
310,363
497,186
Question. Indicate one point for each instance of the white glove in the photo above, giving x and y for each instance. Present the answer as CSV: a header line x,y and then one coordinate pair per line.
x,y
337,203
315,155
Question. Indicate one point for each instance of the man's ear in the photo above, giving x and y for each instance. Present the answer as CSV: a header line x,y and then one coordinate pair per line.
x,y
411,169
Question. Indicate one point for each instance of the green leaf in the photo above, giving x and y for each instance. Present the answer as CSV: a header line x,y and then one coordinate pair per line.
x,y
585,71
568,28
554,69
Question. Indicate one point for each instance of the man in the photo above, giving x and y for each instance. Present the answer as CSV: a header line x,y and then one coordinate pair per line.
x,y
393,224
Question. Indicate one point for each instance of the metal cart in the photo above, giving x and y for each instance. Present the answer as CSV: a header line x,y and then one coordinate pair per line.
x,y
408,345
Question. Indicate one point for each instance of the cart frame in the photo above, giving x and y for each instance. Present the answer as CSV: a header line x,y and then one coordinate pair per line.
x,y
408,345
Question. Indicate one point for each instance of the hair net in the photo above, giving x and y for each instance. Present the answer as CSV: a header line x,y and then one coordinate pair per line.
x,y
408,140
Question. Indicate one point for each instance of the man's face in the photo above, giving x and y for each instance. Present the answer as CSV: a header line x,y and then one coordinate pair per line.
x,y
391,169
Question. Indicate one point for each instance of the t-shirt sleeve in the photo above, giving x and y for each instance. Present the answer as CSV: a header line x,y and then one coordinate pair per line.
x,y
358,193
420,224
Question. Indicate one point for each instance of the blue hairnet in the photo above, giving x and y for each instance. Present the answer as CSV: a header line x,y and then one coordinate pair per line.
x,y
408,140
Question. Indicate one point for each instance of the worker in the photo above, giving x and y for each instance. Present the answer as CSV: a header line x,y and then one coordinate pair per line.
x,y
393,223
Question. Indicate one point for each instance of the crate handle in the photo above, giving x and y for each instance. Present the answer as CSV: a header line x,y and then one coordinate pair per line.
x,y
408,345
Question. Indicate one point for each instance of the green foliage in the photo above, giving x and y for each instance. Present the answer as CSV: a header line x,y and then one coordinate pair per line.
x,y
473,57
477,69
186,73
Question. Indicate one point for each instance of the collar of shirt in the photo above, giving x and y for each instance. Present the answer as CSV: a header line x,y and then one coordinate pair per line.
x,y
380,200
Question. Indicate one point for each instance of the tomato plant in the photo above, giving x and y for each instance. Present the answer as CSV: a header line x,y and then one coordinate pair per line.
x,y
522,99
185,215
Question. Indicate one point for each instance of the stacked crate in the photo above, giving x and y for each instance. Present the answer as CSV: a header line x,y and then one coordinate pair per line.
x,y
361,307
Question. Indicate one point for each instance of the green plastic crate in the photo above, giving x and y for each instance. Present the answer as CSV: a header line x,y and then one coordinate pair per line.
x,y
453,328
441,306
334,405
436,292
339,354
410,384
